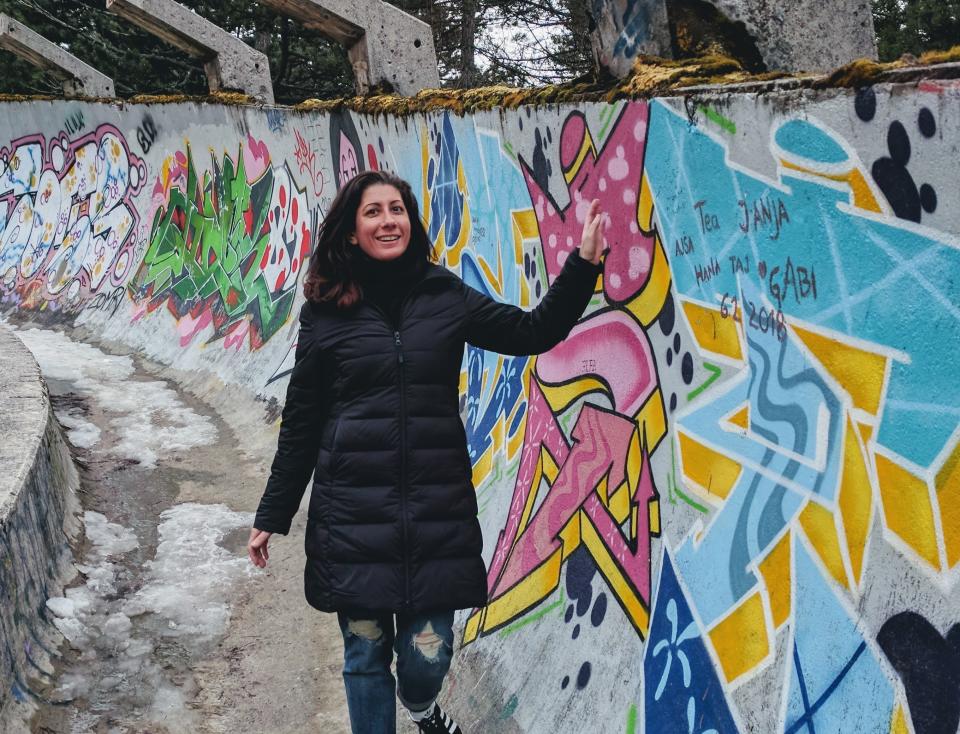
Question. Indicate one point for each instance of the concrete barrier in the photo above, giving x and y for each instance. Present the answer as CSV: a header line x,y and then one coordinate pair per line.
x,y
37,520
229,63
77,77
730,498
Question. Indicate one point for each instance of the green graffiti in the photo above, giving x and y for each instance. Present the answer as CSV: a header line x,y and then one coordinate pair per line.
x,y
715,117
714,376
509,708
208,250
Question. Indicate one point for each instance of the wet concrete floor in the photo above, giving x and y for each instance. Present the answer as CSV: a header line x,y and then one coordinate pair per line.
x,y
274,666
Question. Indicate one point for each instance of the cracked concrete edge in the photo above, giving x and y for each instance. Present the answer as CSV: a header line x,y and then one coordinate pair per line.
x,y
24,413
77,77
803,35
38,520
228,62
387,46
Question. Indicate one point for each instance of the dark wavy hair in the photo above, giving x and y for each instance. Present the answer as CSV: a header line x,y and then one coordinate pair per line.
x,y
330,278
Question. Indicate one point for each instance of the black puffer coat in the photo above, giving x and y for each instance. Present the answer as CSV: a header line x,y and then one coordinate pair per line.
x,y
372,410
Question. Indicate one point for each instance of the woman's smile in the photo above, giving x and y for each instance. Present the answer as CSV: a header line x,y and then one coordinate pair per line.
x,y
382,228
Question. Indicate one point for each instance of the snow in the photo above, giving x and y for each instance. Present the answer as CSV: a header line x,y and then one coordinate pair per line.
x,y
109,538
81,432
185,594
134,624
148,417
188,581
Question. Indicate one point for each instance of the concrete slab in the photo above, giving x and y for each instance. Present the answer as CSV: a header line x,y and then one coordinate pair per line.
x,y
38,482
806,35
386,46
77,77
802,35
230,64
627,28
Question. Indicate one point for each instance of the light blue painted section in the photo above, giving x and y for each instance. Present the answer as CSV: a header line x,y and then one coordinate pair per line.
x,y
871,278
808,141
832,666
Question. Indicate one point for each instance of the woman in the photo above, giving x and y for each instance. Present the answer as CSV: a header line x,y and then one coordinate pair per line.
x,y
393,543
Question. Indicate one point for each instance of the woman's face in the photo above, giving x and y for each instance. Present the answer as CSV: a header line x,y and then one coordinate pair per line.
x,y
382,229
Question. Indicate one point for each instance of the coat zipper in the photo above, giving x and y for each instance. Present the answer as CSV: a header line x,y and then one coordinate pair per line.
x,y
403,468
398,346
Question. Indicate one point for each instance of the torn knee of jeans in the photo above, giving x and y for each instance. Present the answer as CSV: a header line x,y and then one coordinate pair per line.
x,y
428,643
368,629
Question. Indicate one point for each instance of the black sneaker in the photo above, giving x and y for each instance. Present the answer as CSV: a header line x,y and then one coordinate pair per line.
x,y
438,723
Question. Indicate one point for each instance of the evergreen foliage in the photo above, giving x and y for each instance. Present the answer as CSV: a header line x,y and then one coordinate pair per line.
x,y
915,26
478,42
303,63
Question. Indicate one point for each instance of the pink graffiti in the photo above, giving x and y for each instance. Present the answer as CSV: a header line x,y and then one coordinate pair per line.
x,y
188,325
601,441
613,175
347,165
612,347
634,561
256,158
176,172
236,335
541,430
307,161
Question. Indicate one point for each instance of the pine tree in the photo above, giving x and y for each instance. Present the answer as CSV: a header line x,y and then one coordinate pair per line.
x,y
915,26
303,63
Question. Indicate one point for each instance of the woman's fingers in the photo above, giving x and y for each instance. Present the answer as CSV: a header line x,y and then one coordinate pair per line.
x,y
590,243
594,207
257,547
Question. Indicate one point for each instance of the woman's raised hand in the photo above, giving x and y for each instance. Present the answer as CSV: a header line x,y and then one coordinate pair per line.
x,y
257,547
591,244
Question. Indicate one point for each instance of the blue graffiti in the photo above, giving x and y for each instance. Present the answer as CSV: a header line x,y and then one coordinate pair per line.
x,y
858,268
682,691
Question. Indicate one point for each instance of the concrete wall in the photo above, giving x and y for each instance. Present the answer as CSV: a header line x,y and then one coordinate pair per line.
x,y
730,500
37,482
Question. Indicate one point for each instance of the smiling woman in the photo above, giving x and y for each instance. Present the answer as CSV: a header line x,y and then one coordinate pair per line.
x,y
372,410
383,225
374,218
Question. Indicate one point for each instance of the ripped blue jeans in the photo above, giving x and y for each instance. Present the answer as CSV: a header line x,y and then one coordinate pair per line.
x,y
424,647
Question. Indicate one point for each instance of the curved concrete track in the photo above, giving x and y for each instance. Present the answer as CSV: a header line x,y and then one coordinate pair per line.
x,y
169,628
729,498
37,485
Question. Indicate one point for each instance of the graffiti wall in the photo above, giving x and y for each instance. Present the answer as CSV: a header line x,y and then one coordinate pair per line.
x,y
730,500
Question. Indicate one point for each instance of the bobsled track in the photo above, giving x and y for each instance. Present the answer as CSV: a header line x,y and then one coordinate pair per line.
x,y
729,502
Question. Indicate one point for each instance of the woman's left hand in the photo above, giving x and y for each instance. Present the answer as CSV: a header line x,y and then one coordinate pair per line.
x,y
591,243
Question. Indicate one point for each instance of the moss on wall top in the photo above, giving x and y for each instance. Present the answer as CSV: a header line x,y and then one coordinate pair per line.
x,y
651,76
221,98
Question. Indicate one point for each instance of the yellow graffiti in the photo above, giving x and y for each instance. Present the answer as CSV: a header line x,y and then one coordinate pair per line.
x,y
713,333
948,496
740,639
579,529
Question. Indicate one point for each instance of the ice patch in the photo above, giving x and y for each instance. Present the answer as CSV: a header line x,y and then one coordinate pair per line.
x,y
187,579
185,594
148,417
82,615
81,432
108,538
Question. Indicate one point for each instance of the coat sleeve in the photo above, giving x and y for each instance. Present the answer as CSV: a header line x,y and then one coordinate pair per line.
x,y
304,414
509,329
